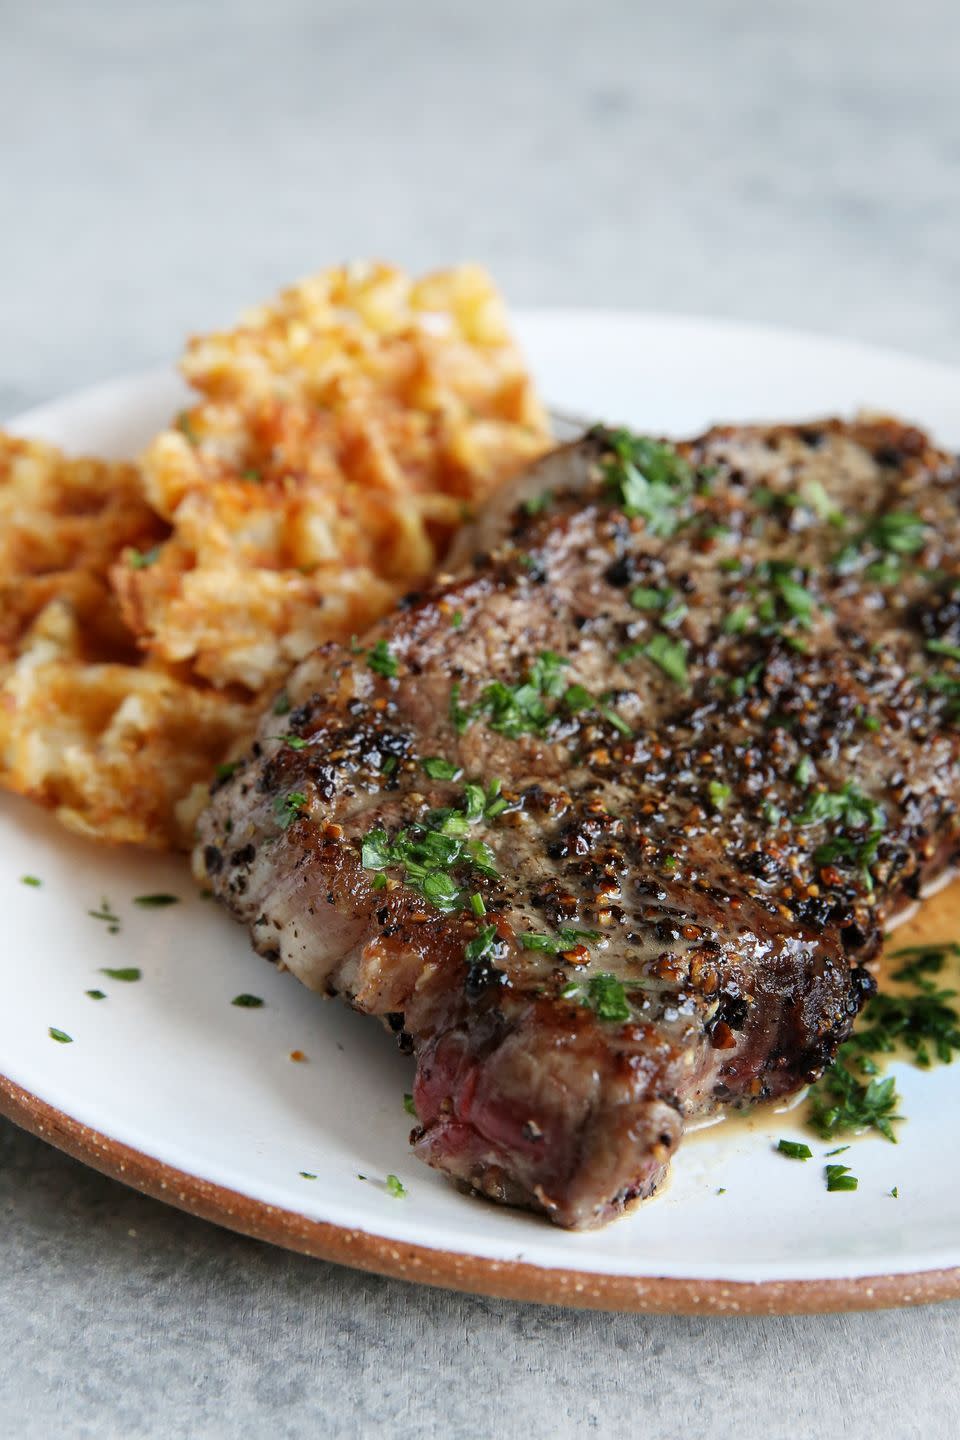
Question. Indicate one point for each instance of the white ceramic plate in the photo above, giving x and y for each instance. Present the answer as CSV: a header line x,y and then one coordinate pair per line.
x,y
217,1116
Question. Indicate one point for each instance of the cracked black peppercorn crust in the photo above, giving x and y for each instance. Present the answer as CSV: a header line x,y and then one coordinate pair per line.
x,y
739,761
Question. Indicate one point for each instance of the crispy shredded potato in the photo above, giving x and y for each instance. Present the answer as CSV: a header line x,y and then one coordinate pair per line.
x,y
146,613
343,434
121,751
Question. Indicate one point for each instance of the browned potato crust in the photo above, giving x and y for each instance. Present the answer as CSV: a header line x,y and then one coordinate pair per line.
x,y
341,435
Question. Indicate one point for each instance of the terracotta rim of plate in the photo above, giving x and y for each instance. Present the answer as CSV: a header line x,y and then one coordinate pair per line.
x,y
510,1279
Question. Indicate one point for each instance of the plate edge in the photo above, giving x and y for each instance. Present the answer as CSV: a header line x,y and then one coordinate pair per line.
x,y
551,314
505,1279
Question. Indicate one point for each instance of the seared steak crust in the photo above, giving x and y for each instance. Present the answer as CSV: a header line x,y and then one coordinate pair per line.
x,y
724,735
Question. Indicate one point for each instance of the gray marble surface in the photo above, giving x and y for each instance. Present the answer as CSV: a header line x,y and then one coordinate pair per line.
x,y
160,166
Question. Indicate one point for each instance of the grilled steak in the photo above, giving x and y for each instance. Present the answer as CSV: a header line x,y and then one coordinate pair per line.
x,y
606,827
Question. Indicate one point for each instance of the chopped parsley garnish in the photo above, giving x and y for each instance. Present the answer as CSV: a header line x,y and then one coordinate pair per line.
x,y
642,597
106,915
740,684
95,994
777,599
849,1096
899,532
224,771
795,1150
293,742
408,1104
287,808
536,504
796,597
838,1151
612,718
483,944
61,1036
849,806
440,890
460,717
155,902
439,769
922,961
515,710
839,1102
31,880
670,655
456,619
142,559
128,973
307,1175
719,793
839,1178
281,706
429,849
895,534
604,994
813,495
861,820
565,939
382,661
948,686
895,1192
247,1002
926,1023
649,479
185,426
395,1187
738,621
805,772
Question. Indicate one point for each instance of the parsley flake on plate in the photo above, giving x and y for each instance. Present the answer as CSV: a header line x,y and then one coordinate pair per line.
x,y
838,1177
106,916
795,1150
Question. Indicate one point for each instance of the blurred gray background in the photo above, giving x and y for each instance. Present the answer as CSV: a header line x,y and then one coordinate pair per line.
x,y
163,165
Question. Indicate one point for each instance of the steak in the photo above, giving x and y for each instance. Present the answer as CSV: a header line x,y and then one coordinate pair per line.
x,y
607,826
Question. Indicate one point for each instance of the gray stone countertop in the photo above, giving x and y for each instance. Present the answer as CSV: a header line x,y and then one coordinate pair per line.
x,y
160,166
